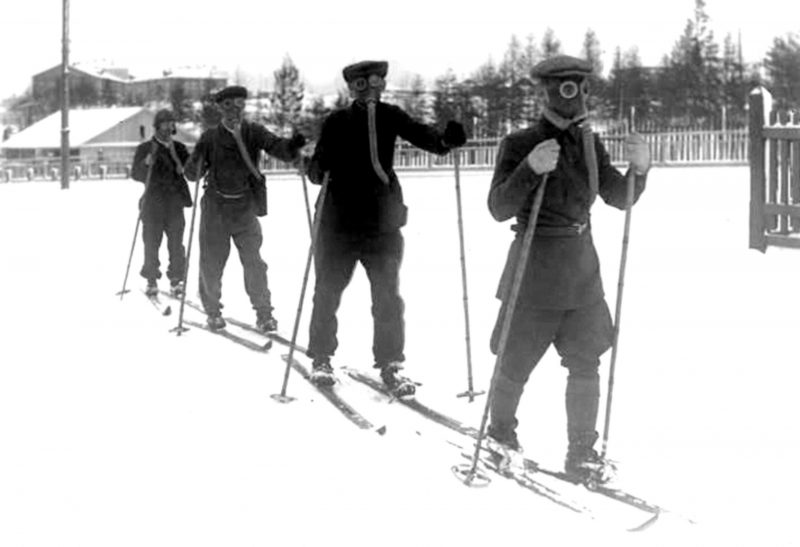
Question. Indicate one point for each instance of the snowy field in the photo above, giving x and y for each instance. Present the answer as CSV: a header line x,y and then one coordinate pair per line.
x,y
115,432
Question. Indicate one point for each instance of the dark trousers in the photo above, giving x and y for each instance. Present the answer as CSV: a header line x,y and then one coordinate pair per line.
x,y
159,218
220,222
580,336
335,261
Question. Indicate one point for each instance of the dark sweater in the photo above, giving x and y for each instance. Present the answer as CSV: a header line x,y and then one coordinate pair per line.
x,y
358,201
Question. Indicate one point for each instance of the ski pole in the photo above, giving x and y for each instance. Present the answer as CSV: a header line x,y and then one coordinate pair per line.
x,y
519,272
471,393
180,329
282,397
618,310
308,204
122,291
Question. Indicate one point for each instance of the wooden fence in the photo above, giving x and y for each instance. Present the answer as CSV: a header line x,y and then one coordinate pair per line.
x,y
668,148
774,175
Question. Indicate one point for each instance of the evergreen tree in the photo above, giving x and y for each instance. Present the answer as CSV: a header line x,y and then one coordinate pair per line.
x,y
592,52
287,98
314,117
551,46
493,95
782,65
692,80
629,87
735,85
412,97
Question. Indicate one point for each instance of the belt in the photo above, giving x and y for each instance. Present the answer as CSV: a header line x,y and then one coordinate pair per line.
x,y
223,195
570,230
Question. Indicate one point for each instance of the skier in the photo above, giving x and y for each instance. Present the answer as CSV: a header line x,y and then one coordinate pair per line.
x,y
161,206
235,196
561,299
362,217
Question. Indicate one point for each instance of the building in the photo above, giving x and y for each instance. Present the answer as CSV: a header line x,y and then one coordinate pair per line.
x,y
189,83
97,136
91,86
88,86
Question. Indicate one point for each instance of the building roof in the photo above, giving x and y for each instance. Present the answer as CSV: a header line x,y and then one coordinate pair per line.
x,y
84,125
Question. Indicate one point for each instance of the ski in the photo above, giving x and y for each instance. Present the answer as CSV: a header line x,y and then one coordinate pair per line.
x,y
531,466
242,325
493,462
333,397
329,392
163,308
244,342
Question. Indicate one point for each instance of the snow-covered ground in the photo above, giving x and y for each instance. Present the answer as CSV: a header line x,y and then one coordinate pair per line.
x,y
116,432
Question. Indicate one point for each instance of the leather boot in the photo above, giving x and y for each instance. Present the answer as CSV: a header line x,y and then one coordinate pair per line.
x,y
505,401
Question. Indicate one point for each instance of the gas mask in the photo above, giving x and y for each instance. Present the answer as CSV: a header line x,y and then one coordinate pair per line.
x,y
232,110
567,96
366,89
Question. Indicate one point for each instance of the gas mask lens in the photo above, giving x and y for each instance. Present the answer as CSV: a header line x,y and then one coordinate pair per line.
x,y
361,84
238,102
568,89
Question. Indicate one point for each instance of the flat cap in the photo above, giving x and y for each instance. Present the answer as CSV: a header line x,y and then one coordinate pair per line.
x,y
561,66
164,115
364,69
231,92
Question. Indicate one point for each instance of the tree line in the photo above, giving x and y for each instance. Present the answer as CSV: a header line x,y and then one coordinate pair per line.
x,y
699,83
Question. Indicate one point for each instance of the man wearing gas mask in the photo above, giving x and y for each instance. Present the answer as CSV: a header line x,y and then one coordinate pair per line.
x,y
362,215
159,164
561,299
235,196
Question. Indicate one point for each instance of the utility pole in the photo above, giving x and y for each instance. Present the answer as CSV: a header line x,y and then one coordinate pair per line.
x,y
65,98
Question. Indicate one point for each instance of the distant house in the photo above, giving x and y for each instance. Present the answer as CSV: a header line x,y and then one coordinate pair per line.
x,y
97,135
92,86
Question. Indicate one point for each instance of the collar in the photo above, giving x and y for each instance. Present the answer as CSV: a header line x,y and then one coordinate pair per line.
x,y
165,143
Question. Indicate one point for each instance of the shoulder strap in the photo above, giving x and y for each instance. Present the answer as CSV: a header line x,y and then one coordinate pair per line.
x,y
237,136
590,155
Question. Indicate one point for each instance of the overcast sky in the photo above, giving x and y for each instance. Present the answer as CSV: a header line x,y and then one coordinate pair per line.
x,y
416,36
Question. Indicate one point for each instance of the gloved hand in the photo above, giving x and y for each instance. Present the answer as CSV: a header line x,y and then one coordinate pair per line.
x,y
297,142
544,156
637,153
454,135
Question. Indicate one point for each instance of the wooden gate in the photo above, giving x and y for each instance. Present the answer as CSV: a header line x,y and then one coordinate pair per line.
x,y
774,175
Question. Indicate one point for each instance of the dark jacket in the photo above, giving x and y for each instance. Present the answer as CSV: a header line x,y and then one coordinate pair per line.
x,y
358,201
217,156
563,270
166,182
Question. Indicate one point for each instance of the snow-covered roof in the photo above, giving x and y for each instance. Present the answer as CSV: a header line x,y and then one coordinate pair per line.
x,y
84,125
189,72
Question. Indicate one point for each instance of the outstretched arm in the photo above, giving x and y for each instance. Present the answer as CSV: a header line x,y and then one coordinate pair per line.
x,y
428,137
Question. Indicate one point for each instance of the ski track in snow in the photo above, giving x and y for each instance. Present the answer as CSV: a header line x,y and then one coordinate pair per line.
x,y
116,432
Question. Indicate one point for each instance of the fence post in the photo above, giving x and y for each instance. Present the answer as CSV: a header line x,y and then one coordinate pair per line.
x,y
757,102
